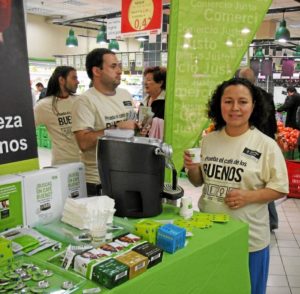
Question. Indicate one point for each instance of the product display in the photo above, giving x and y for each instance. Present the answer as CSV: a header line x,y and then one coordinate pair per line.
x,y
136,263
152,252
11,206
110,273
27,241
147,229
27,274
170,238
42,198
72,179
6,256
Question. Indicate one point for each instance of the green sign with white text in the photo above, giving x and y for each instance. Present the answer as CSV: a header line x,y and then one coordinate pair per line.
x,y
18,147
207,41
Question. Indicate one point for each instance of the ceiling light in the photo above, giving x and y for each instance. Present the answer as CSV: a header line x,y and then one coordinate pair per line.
x,y
101,37
282,33
259,53
71,40
245,31
141,39
229,43
188,35
113,45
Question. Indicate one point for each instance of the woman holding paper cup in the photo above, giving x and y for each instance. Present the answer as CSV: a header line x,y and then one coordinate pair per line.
x,y
241,169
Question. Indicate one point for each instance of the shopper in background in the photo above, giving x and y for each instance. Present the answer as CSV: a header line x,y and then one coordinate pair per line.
x,y
54,111
101,107
269,128
241,168
290,105
41,89
32,94
155,86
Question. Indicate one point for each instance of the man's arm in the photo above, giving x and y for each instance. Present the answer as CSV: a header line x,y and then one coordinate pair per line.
x,y
288,103
87,139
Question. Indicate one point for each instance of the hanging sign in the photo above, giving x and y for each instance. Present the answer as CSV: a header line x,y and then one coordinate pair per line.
x,y
139,61
125,61
140,17
114,28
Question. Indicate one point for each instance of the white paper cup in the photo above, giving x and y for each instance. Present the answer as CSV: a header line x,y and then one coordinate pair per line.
x,y
194,154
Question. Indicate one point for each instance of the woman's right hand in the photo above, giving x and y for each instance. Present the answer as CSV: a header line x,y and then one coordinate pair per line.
x,y
188,162
193,170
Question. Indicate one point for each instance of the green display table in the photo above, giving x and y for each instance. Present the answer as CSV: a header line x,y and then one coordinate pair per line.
x,y
214,261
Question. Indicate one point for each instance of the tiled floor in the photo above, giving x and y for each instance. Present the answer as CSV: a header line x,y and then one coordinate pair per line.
x,y
284,275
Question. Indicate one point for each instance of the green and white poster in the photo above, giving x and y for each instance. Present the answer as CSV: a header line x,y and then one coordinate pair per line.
x,y
207,41
18,149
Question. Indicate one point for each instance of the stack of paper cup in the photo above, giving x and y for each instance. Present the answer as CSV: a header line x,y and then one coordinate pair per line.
x,y
98,225
186,207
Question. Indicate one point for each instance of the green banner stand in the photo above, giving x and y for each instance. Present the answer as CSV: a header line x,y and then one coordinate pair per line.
x,y
207,42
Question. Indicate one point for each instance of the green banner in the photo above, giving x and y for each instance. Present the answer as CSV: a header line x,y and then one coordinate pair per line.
x,y
19,166
206,44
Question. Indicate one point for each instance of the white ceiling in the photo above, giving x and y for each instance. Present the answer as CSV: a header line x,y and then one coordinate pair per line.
x,y
73,9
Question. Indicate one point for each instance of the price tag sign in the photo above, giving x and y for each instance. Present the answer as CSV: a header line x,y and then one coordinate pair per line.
x,y
125,62
71,60
139,61
78,61
140,16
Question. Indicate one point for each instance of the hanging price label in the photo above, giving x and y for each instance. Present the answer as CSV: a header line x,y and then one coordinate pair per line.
x,y
141,15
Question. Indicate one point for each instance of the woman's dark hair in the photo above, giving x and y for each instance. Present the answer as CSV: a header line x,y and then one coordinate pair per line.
x,y
159,74
53,88
95,58
259,114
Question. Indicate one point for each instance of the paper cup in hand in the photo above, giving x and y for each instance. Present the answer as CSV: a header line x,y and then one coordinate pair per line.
x,y
194,154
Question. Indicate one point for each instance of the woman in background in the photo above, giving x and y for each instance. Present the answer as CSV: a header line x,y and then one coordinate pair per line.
x,y
155,86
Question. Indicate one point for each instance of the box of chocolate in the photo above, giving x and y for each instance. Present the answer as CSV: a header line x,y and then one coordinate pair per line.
x,y
127,240
152,252
136,262
85,260
110,273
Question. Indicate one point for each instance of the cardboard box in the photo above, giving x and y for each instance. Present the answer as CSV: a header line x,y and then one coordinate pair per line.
x,y
136,262
11,207
72,178
42,197
110,273
152,252
84,261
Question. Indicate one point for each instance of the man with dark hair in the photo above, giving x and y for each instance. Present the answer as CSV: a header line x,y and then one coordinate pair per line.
x,y
54,111
41,89
269,128
290,105
101,107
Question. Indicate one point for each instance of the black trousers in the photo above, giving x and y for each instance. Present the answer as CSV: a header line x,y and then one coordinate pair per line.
x,y
93,189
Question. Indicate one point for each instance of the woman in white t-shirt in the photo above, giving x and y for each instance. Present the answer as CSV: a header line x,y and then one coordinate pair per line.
x,y
241,169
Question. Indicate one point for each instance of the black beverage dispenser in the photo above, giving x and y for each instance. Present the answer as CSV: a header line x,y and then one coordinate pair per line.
x,y
132,173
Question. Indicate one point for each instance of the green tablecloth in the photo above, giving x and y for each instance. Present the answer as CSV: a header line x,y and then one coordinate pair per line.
x,y
215,261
